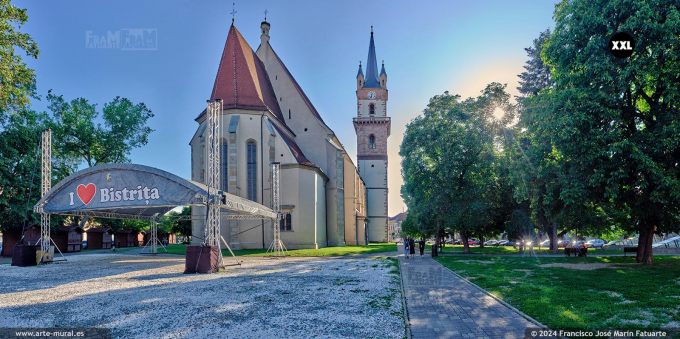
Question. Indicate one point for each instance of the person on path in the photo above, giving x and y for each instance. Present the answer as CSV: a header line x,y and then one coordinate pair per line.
x,y
421,245
406,247
412,247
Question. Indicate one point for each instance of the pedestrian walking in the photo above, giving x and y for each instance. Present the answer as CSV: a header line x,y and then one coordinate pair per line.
x,y
412,247
406,247
421,245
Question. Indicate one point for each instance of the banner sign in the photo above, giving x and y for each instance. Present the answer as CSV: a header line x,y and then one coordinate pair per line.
x,y
120,186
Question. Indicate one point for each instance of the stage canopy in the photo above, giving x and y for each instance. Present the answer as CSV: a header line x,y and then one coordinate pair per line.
x,y
128,191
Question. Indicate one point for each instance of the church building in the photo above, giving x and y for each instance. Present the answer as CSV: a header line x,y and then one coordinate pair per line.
x,y
268,118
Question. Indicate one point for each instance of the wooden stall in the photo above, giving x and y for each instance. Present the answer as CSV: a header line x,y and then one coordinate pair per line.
x,y
12,235
68,238
99,238
126,238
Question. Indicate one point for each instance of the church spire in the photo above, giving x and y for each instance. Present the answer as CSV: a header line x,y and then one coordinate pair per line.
x,y
372,65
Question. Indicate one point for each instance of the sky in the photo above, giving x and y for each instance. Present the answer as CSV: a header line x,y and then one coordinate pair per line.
x,y
428,47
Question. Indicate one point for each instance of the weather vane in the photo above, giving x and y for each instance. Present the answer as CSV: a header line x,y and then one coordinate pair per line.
x,y
233,12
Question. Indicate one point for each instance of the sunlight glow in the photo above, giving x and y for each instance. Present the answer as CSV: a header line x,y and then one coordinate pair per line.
x,y
498,113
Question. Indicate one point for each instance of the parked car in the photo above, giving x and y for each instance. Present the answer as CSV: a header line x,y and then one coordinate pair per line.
x,y
595,243
611,243
544,243
563,243
506,243
578,243
473,242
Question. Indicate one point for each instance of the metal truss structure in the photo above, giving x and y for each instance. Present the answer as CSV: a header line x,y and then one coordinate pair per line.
x,y
276,248
212,228
153,242
46,255
46,184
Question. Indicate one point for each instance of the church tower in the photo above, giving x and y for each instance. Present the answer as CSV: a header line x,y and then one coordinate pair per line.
x,y
372,126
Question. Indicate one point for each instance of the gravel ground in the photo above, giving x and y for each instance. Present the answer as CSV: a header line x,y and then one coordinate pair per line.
x,y
142,296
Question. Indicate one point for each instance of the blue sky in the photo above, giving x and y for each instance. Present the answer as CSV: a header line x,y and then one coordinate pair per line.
x,y
429,47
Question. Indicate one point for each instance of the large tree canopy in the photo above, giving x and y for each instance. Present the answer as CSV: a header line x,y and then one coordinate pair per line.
x,y
450,164
80,138
616,122
17,81
20,168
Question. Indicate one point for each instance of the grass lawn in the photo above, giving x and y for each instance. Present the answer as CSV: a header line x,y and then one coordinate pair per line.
x,y
321,252
606,292
513,250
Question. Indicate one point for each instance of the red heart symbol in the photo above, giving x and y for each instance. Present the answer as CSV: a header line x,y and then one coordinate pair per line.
x,y
86,192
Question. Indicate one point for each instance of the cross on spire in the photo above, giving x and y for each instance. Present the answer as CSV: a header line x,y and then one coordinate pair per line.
x,y
233,12
265,14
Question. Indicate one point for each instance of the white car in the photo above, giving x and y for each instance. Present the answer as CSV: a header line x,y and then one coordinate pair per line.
x,y
595,243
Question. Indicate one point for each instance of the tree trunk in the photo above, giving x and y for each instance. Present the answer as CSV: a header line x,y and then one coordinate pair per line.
x,y
466,246
481,241
644,252
552,234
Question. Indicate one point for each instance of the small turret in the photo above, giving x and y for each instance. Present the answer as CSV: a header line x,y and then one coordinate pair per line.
x,y
264,27
360,77
383,76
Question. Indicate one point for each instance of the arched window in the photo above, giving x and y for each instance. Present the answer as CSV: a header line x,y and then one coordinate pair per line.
x,y
286,223
251,154
371,141
371,109
224,166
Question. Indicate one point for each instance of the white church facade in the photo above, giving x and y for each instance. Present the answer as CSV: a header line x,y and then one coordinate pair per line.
x,y
268,118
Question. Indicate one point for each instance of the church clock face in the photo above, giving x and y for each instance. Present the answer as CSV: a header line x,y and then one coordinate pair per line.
x,y
371,95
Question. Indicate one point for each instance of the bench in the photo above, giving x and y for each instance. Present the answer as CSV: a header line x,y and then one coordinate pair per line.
x,y
629,249
581,252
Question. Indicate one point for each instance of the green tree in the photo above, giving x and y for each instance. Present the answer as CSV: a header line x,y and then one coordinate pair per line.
x,y
450,164
17,81
78,137
178,222
616,122
536,168
20,168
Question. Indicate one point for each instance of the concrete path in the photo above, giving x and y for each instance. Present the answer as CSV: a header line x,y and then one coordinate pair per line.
x,y
442,305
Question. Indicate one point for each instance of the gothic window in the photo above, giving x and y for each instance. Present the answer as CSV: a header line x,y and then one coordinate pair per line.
x,y
371,141
251,153
224,168
286,222
371,109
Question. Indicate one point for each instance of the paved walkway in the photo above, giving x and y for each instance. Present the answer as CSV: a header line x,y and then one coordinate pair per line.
x,y
442,305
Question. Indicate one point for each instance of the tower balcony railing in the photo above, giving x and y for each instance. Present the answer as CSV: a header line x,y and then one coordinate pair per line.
x,y
370,119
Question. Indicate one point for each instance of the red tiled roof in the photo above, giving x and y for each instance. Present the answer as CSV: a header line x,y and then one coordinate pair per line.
x,y
241,80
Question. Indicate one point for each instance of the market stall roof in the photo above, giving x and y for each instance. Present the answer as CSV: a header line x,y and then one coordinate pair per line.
x,y
128,191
